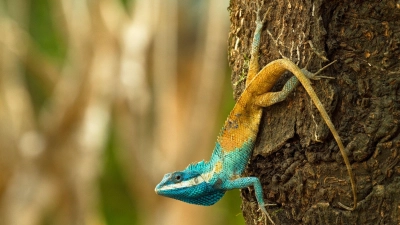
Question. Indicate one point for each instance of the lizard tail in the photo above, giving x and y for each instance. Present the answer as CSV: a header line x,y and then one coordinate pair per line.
x,y
272,71
307,85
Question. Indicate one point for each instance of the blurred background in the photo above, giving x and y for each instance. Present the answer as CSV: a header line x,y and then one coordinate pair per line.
x,y
99,99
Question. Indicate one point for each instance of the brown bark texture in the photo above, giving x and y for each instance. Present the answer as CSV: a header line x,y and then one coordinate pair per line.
x,y
296,157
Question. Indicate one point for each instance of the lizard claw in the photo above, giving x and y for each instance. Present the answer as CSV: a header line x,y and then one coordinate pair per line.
x,y
262,207
258,12
313,76
321,77
259,5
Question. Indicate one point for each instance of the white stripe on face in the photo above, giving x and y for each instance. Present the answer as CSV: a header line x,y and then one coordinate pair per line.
x,y
189,183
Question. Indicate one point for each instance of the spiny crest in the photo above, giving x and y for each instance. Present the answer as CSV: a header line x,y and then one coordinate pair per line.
x,y
196,167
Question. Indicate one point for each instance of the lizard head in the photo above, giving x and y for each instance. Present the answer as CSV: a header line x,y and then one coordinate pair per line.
x,y
190,185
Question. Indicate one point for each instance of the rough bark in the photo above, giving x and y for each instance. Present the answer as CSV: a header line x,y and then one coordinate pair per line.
x,y
296,157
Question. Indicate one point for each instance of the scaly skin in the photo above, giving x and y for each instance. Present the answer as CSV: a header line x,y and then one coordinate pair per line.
x,y
204,183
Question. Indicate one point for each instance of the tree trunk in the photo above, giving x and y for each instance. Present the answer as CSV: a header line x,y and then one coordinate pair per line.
x,y
296,157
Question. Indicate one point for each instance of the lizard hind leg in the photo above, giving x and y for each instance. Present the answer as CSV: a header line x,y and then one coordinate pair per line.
x,y
271,98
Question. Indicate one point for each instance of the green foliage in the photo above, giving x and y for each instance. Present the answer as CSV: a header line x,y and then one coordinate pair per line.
x,y
125,3
117,206
44,31
47,39
37,92
232,203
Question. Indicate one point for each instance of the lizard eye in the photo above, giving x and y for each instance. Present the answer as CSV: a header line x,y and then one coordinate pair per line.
x,y
177,177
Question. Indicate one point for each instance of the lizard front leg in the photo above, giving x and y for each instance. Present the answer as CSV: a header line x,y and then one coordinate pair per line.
x,y
255,46
244,182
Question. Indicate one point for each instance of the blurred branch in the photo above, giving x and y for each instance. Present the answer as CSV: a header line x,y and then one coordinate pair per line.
x,y
70,95
73,124
207,94
133,105
116,66
19,43
179,117
22,143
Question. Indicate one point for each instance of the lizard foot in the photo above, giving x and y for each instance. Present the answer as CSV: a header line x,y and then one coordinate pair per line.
x,y
262,207
314,76
258,12
347,207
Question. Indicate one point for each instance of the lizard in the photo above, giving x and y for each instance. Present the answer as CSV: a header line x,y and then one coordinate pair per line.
x,y
205,182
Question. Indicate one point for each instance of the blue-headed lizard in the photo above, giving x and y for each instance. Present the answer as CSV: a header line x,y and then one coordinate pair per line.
x,y
204,183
